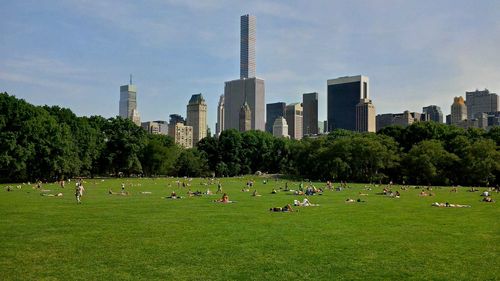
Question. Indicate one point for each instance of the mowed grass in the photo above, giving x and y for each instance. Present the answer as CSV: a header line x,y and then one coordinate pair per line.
x,y
148,237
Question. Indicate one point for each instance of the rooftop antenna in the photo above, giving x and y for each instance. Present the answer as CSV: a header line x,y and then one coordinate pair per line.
x,y
130,79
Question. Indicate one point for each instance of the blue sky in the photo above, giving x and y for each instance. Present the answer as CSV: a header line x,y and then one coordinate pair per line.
x,y
76,53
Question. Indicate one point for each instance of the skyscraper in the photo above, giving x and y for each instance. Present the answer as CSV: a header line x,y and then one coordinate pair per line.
x,y
343,96
247,46
365,116
480,102
273,111
310,106
294,120
458,111
128,103
434,112
248,88
219,126
234,96
197,117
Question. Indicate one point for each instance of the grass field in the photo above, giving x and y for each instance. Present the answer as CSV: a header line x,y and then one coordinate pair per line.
x,y
147,237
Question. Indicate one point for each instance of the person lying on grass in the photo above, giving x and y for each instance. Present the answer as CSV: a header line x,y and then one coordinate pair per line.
x,y
349,200
287,208
304,203
488,200
448,205
123,193
52,195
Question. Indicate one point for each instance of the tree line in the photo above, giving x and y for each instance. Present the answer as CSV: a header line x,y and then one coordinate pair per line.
x,y
50,143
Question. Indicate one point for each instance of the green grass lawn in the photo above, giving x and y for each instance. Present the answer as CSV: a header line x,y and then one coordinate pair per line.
x,y
112,237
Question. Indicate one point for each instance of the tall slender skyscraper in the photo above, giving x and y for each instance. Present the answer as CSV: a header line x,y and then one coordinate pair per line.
x,y
128,103
310,106
219,126
197,117
247,46
248,88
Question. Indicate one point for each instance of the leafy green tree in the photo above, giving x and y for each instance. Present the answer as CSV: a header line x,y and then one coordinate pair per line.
x,y
159,155
124,143
428,162
191,163
481,162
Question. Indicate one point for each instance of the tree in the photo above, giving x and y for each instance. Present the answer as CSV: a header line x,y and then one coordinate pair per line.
x,y
191,163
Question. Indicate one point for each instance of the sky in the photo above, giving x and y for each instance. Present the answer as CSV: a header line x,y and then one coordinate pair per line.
x,y
77,53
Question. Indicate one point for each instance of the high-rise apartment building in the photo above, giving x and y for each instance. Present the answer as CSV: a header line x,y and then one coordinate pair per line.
x,y
163,126
480,102
219,126
458,111
183,135
245,118
343,96
234,96
128,103
273,111
247,46
434,113
197,117
294,120
310,117
280,127
365,116
174,119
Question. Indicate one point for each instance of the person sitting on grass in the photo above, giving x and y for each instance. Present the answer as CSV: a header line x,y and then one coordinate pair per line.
x,y
287,208
274,191
173,195
224,199
209,192
255,193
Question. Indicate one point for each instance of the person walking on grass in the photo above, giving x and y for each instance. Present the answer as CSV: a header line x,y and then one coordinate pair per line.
x,y
79,192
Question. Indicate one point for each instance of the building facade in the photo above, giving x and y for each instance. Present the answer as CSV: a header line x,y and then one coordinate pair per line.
x,y
273,111
434,113
343,95
458,111
183,135
151,127
294,119
196,117
280,127
128,103
310,114
245,118
478,102
247,46
402,119
365,116
236,92
219,126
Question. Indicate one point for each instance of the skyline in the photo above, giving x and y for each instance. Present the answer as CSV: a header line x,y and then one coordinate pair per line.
x,y
68,53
